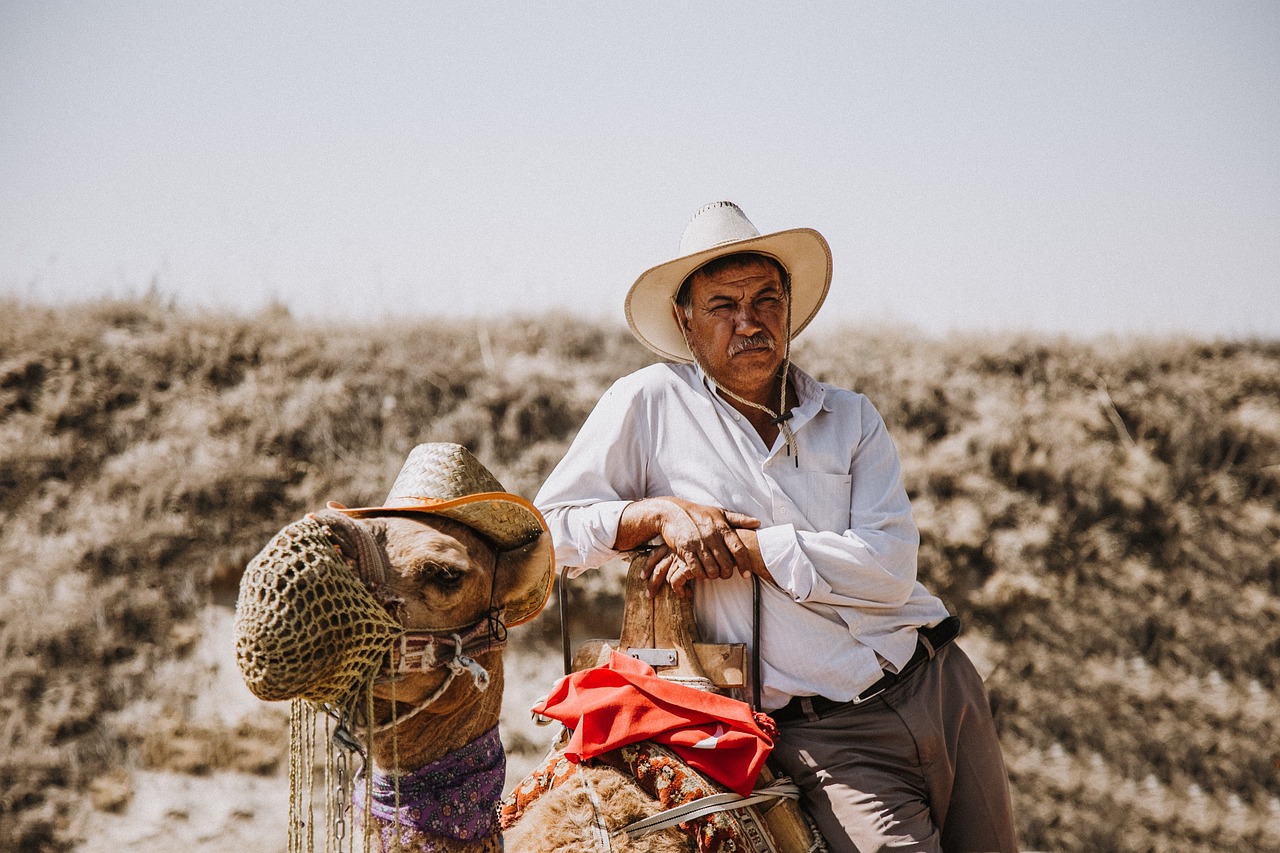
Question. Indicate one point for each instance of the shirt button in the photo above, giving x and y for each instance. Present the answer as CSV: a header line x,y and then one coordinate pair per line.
x,y
782,510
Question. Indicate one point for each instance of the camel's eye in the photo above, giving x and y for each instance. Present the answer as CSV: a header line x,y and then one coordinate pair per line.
x,y
443,575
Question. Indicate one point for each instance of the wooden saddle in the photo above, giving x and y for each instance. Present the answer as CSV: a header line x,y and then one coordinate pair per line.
x,y
663,632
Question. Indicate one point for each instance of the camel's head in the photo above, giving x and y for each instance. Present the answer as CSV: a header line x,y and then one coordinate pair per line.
x,y
444,586
409,596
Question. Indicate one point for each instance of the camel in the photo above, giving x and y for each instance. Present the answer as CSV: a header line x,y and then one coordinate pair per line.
x,y
401,640
392,619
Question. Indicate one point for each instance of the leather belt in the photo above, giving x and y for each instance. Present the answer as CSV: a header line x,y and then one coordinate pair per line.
x,y
929,641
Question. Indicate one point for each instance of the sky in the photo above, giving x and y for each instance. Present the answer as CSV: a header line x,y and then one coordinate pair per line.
x,y
1084,168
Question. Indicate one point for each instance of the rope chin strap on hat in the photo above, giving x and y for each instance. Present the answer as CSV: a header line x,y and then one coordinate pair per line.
x,y
782,414
415,651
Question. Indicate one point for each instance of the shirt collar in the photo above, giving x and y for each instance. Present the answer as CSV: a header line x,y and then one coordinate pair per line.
x,y
811,393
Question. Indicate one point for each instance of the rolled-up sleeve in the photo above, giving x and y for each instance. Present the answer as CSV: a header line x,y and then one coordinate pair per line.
x,y
871,563
600,474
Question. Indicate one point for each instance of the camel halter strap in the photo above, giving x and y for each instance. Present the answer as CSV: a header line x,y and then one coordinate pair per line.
x,y
455,665
423,651
455,651
358,545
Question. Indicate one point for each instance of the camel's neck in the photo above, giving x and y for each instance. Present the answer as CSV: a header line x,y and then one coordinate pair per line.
x,y
462,714
449,803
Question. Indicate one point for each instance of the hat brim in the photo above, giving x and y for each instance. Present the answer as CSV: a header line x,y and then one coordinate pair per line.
x,y
526,560
803,252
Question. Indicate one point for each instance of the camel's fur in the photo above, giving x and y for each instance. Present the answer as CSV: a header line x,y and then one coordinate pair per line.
x,y
561,820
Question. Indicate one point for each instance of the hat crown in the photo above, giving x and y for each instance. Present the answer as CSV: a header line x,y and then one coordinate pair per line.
x,y
442,471
443,479
714,225
717,230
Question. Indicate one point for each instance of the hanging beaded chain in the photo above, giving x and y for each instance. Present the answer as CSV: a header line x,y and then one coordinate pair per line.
x,y
342,776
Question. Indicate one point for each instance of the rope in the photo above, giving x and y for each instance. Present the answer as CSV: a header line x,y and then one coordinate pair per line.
x,y
366,770
779,417
460,664
309,753
598,829
395,768
295,745
330,770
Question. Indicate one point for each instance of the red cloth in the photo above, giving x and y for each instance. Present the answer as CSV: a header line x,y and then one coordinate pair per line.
x,y
624,701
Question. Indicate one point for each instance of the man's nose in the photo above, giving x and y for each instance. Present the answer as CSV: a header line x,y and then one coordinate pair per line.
x,y
745,321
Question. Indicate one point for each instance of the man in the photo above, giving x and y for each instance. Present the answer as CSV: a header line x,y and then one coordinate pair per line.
x,y
742,465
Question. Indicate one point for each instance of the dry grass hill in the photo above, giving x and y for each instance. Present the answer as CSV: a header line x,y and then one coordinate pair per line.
x,y
1103,514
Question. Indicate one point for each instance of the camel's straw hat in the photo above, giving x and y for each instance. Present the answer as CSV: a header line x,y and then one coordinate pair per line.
x,y
716,230
446,480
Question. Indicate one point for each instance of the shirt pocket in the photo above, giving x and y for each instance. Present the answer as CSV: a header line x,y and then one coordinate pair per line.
x,y
821,499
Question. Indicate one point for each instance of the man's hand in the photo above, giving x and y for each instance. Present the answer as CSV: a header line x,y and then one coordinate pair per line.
x,y
662,565
702,537
698,541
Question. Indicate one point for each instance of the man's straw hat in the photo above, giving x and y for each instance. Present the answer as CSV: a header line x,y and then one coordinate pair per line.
x,y
446,480
717,230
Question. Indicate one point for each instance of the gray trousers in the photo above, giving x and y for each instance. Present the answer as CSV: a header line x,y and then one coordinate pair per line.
x,y
916,768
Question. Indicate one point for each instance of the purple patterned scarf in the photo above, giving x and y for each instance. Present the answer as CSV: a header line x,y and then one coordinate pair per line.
x,y
455,796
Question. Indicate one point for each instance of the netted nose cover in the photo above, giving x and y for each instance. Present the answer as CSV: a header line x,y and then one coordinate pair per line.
x,y
306,626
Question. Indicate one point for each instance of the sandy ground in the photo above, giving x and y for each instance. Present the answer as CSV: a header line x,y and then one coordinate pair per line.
x,y
228,812
232,812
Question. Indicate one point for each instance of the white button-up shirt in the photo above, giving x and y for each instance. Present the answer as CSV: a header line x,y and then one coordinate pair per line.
x,y
835,524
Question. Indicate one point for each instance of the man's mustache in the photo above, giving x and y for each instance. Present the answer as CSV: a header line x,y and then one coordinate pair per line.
x,y
756,341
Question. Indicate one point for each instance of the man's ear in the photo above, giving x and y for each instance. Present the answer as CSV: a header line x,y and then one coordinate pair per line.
x,y
682,320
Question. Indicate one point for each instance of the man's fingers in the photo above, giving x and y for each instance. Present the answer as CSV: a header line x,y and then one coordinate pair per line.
x,y
698,557
737,519
682,581
658,575
721,561
656,555
742,559
705,539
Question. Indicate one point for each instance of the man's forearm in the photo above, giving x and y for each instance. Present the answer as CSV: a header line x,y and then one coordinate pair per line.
x,y
640,522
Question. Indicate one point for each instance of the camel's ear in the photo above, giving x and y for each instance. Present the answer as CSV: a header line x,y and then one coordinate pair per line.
x,y
524,579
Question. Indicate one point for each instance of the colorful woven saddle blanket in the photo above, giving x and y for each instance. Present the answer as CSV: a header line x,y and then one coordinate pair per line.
x,y
666,778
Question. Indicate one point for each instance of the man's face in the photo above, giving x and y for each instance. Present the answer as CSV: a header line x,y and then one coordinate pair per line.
x,y
737,326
